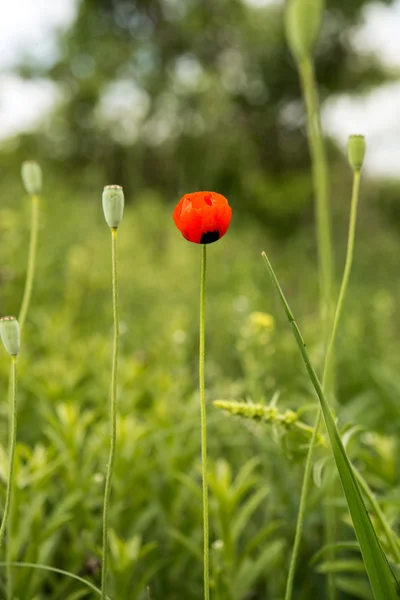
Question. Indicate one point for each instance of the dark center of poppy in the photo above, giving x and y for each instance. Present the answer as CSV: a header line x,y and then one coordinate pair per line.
x,y
209,237
207,199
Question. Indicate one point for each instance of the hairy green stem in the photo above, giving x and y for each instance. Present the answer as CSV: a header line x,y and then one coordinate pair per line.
x,y
320,181
27,565
30,273
204,423
12,444
113,441
325,271
31,262
327,366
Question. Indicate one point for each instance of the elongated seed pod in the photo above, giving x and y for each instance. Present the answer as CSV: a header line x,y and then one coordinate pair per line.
x,y
113,205
32,177
10,336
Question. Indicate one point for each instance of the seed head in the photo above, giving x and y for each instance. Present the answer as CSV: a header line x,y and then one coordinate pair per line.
x,y
10,335
113,205
303,23
356,148
32,177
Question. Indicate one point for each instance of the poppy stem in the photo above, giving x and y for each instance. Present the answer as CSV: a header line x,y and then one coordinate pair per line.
x,y
113,441
204,424
327,371
31,261
12,444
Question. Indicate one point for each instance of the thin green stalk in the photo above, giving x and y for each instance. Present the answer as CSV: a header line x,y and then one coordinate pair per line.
x,y
12,444
324,241
302,509
327,366
30,273
107,492
31,261
204,423
55,570
320,181
381,578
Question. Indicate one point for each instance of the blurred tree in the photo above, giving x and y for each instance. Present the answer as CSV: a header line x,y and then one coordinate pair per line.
x,y
180,95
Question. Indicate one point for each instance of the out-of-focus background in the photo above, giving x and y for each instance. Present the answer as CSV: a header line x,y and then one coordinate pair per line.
x,y
165,97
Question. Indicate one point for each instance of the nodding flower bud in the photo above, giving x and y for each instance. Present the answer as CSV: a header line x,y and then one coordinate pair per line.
x,y
9,332
32,177
113,205
356,151
303,23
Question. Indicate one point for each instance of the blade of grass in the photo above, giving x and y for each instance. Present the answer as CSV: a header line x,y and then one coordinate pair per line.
x,y
55,570
380,576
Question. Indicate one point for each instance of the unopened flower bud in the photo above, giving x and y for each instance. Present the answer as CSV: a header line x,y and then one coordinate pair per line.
x,y
303,23
32,177
113,205
356,151
9,332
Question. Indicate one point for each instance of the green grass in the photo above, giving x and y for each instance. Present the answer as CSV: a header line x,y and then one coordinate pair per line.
x,y
255,468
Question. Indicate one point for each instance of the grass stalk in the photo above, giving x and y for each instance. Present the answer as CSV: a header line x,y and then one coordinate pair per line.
x,y
381,578
113,418
27,565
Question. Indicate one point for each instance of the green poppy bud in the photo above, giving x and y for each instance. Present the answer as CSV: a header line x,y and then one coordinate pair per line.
x,y
303,23
356,151
9,332
32,177
113,205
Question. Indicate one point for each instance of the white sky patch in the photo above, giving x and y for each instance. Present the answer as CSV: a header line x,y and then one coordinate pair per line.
x,y
380,32
377,116
24,103
262,3
28,27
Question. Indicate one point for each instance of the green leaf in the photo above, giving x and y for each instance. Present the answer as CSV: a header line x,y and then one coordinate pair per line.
x,y
380,576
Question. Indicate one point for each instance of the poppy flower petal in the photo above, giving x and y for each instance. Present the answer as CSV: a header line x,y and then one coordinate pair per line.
x,y
202,217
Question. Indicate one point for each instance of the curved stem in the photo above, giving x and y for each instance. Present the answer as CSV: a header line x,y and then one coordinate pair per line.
x,y
204,423
55,570
107,492
31,262
327,366
13,439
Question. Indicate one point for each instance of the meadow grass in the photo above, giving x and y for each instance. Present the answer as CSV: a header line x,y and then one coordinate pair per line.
x,y
255,472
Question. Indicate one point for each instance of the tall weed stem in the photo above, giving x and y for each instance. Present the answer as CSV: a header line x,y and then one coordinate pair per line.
x,y
110,465
12,444
31,261
327,367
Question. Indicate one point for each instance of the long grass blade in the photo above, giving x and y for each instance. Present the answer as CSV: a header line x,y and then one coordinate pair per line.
x,y
380,576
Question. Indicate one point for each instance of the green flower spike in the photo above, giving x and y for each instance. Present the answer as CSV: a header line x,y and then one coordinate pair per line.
x,y
9,332
113,205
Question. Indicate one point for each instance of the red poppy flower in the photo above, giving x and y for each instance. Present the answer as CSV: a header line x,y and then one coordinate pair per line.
x,y
202,217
